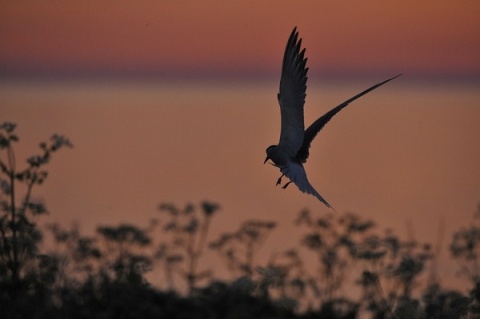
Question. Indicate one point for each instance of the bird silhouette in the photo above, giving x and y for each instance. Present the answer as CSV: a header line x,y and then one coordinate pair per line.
x,y
292,150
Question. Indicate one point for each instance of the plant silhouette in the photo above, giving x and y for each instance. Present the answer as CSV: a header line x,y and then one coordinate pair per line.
x,y
22,267
188,231
343,266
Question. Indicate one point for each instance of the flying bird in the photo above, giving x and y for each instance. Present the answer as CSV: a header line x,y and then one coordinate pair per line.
x,y
292,150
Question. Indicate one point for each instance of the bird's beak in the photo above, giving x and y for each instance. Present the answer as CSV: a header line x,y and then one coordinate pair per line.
x,y
266,159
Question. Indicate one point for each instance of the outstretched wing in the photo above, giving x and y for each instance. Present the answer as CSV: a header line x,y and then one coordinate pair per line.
x,y
316,126
296,173
293,85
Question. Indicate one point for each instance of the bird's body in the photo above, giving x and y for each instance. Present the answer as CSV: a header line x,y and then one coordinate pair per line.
x,y
292,150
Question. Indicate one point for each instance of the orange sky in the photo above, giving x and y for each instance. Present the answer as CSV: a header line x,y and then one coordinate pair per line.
x,y
404,153
239,37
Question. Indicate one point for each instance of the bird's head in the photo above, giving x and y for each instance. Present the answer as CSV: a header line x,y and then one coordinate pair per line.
x,y
268,153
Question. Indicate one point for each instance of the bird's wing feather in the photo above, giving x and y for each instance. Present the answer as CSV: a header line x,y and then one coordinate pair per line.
x,y
312,131
296,173
293,85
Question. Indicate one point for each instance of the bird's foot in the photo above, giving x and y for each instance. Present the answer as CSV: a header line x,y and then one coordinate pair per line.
x,y
279,180
285,186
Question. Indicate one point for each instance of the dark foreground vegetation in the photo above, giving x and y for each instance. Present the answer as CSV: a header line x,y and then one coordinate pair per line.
x,y
343,267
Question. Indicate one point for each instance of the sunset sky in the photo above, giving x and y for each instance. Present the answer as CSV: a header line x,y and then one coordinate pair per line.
x,y
239,37
405,154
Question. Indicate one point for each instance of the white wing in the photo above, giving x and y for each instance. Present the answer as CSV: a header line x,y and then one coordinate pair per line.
x,y
293,85
296,173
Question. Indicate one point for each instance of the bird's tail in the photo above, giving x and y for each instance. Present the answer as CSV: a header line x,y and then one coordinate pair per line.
x,y
296,173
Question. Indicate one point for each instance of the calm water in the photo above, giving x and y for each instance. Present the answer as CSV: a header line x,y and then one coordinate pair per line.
x,y
406,155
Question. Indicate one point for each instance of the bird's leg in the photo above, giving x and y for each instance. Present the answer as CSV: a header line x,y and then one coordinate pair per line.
x,y
285,186
279,180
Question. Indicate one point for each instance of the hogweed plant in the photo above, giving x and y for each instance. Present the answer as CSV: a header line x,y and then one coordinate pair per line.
x,y
124,253
19,235
465,247
332,239
186,233
77,256
238,248
391,270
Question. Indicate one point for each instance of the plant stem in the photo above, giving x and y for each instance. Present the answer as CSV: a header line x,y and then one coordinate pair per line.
x,y
11,162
